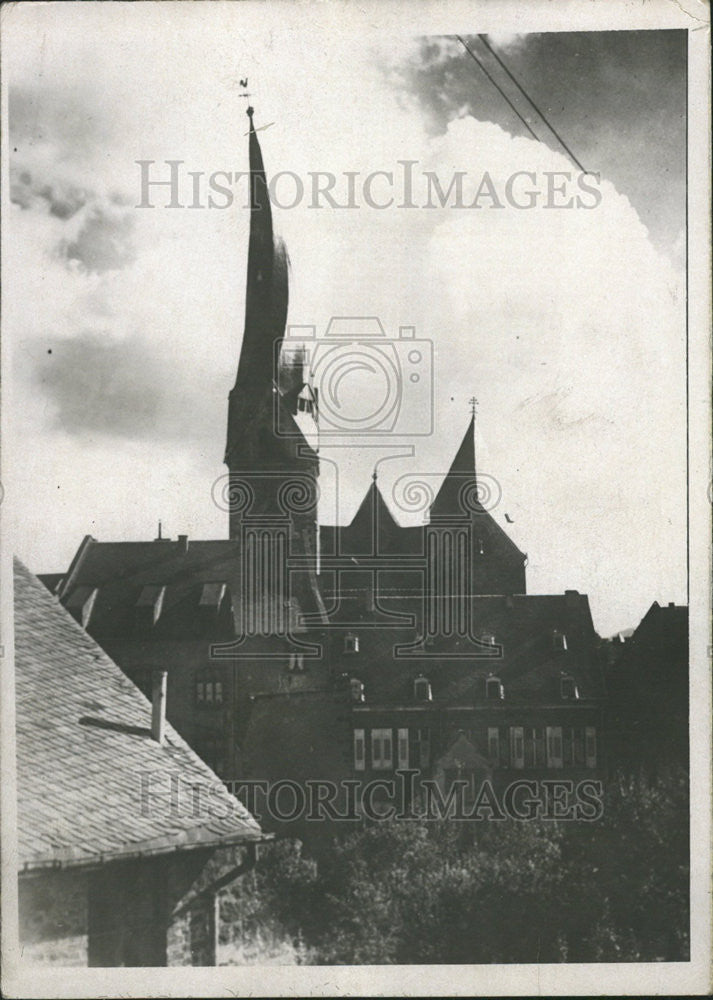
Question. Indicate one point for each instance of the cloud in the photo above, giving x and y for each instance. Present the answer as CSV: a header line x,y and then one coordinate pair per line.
x,y
103,243
100,387
61,200
567,325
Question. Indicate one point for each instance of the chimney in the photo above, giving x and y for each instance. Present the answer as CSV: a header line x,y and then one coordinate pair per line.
x,y
183,544
158,705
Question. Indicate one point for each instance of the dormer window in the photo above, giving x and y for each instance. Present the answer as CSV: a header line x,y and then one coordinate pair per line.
x,y
494,690
568,689
297,663
351,643
356,689
306,399
150,603
422,689
81,604
212,595
559,641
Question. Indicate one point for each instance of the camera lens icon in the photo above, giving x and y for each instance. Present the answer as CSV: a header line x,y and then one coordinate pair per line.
x,y
359,387
366,383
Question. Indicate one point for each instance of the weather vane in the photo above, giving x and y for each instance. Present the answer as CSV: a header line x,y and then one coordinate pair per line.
x,y
249,109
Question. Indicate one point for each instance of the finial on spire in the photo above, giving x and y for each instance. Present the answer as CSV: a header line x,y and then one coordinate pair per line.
x,y
374,475
473,406
160,537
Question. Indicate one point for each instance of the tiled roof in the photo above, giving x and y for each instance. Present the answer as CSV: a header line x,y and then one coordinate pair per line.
x,y
526,656
92,783
159,590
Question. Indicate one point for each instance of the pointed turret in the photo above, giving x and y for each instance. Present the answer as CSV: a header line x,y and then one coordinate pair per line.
x,y
497,566
266,300
462,475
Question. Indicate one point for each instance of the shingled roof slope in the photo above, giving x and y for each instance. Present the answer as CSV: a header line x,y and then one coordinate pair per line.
x,y
92,783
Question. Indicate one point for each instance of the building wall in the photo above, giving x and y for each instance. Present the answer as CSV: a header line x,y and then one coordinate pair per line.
x,y
128,913
53,918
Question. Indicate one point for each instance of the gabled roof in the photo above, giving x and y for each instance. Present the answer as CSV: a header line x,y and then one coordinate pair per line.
x,y
92,783
372,530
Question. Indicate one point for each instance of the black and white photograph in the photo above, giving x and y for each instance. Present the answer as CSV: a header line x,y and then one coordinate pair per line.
x,y
356,499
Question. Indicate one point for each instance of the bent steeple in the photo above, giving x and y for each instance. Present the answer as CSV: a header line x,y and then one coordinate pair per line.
x,y
266,301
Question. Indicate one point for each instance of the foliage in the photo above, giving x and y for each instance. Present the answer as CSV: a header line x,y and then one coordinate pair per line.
x,y
507,891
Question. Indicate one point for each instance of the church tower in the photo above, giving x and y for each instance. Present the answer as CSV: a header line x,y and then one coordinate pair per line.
x,y
273,470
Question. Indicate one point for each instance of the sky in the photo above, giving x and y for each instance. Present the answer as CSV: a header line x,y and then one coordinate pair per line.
x,y
123,323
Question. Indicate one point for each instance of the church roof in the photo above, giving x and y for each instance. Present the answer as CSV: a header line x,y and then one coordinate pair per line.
x,y
92,783
463,493
372,530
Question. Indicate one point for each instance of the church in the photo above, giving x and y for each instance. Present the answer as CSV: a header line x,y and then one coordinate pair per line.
x,y
301,650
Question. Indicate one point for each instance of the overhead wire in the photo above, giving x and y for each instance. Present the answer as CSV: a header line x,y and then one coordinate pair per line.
x,y
527,97
497,87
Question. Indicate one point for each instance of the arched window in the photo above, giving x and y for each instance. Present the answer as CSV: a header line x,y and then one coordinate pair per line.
x,y
356,689
351,643
568,688
422,689
494,690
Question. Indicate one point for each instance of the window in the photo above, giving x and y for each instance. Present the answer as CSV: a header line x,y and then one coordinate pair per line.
x,y
554,746
359,750
403,747
590,746
208,690
538,740
297,663
422,689
149,604
568,689
568,747
81,604
559,641
351,643
494,690
517,747
481,547
420,747
356,689
381,750
212,595
494,745
578,747
488,639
